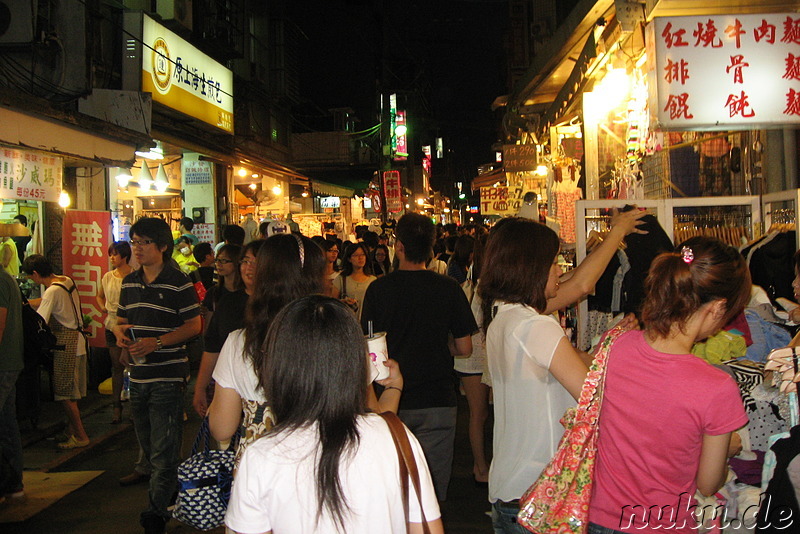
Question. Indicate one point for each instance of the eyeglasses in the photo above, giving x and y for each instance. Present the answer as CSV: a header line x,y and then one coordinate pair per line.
x,y
223,261
333,250
362,255
248,262
141,242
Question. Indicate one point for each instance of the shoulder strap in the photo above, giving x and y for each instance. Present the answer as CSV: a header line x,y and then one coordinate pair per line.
x,y
344,287
408,465
72,301
593,386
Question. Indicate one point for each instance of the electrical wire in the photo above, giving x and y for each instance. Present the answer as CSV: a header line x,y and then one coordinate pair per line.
x,y
143,44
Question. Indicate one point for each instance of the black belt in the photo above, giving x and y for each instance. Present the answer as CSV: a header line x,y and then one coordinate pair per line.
x,y
511,504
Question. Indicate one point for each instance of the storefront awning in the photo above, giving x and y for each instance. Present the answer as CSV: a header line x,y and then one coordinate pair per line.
x,y
489,179
539,93
50,135
273,168
331,190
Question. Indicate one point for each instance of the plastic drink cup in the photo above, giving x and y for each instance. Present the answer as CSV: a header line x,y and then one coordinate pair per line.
x,y
137,360
378,353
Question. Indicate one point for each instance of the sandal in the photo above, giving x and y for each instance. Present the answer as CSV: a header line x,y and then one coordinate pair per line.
x,y
73,443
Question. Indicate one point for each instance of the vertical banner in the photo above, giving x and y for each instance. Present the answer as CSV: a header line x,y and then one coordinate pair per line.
x,y
86,238
392,191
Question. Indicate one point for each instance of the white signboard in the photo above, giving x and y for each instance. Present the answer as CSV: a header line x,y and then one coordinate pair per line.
x,y
205,232
196,172
185,79
725,71
30,175
329,202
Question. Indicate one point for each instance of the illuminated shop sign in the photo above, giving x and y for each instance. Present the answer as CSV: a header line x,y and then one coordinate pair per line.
x,y
724,71
184,79
329,202
28,175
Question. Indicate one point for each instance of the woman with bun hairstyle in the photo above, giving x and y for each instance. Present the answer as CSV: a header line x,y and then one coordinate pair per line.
x,y
667,416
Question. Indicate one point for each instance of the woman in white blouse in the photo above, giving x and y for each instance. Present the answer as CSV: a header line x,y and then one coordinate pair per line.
x,y
119,253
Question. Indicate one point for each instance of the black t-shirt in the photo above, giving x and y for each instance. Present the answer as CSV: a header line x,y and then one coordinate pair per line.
x,y
228,316
417,310
204,275
214,295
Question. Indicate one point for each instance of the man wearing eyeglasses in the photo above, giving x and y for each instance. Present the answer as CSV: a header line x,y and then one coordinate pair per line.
x,y
158,312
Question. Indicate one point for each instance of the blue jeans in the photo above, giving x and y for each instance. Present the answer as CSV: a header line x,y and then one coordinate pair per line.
x,y
10,441
157,410
504,519
435,429
597,529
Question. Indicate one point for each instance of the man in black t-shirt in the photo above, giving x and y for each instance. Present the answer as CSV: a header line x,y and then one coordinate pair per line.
x,y
419,309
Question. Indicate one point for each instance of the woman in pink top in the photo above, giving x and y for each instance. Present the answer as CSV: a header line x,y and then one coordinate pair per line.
x,y
667,416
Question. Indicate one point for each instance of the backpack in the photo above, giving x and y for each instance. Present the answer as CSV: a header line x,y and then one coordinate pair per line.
x,y
40,342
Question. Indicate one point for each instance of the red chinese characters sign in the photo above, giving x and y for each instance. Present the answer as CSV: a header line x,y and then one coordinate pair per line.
x,y
86,237
725,70
392,191
30,175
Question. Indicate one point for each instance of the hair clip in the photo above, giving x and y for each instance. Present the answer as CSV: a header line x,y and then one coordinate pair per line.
x,y
688,255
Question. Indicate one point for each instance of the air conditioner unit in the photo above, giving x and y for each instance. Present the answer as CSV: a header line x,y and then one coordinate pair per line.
x,y
178,11
17,21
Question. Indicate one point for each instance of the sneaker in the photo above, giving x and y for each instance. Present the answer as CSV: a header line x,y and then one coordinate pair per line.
x,y
73,443
18,493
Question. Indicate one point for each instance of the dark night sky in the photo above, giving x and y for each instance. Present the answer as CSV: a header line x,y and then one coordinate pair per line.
x,y
446,56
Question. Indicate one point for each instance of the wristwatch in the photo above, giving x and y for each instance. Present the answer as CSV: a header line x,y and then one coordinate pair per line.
x,y
159,344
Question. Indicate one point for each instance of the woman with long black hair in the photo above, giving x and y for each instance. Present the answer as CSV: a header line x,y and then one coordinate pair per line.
x,y
328,465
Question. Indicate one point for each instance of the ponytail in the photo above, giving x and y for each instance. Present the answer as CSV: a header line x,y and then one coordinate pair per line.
x,y
679,283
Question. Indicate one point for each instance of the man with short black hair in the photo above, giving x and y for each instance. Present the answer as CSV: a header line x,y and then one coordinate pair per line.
x,y
21,241
204,255
158,312
187,224
401,304
232,234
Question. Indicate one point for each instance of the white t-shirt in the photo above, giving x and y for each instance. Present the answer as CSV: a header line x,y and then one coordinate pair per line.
x,y
275,487
528,400
234,369
56,304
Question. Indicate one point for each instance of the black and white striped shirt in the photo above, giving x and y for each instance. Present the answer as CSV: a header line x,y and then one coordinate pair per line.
x,y
154,310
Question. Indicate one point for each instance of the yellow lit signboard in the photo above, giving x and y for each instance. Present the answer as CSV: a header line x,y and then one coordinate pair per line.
x,y
182,78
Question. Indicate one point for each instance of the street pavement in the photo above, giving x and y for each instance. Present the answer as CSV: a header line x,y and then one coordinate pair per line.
x,y
103,506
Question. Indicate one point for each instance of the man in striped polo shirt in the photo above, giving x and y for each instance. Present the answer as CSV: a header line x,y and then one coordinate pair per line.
x,y
158,312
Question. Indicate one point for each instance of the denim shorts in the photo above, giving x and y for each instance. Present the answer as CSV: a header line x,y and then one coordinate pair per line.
x,y
504,518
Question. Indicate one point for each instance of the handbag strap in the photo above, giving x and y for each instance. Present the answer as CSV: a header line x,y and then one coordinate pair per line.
x,y
408,465
592,390
203,438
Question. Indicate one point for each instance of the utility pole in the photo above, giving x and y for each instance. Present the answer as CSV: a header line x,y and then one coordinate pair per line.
x,y
384,158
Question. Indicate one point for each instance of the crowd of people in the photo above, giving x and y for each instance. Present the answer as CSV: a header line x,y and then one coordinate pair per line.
x,y
283,364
